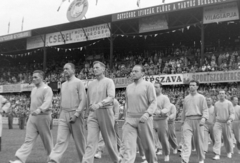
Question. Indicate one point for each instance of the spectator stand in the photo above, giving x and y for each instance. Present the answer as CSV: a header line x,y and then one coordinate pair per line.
x,y
184,48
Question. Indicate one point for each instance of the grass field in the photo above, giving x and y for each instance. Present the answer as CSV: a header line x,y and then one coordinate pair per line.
x,y
13,139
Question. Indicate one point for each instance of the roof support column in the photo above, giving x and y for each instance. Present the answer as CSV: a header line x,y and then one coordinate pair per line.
x,y
44,54
111,51
202,43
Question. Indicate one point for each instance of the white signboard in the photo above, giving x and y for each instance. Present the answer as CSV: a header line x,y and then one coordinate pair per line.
x,y
173,79
35,42
220,13
78,35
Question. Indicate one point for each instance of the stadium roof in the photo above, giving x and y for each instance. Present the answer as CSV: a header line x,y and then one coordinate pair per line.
x,y
125,26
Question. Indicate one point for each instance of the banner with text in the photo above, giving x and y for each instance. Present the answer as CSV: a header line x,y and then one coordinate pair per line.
x,y
27,87
216,77
172,79
11,88
153,23
220,13
78,35
15,36
165,8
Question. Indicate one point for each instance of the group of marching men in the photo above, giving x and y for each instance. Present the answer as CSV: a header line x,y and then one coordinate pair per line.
x,y
150,117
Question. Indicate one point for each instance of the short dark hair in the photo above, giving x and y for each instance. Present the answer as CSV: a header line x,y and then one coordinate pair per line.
x,y
194,81
232,98
142,68
40,72
158,82
101,64
71,65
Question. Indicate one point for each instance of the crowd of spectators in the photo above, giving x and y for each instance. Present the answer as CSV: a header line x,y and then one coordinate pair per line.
x,y
20,103
155,62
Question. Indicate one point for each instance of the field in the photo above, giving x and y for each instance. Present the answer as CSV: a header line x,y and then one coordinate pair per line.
x,y
13,139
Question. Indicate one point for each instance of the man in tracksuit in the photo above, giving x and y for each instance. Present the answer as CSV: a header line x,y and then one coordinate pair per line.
x,y
224,115
236,122
194,115
161,119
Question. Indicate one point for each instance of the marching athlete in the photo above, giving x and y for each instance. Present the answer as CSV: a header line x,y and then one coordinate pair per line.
x,y
101,94
140,105
224,115
39,119
208,127
4,106
236,122
73,103
194,115
171,128
161,119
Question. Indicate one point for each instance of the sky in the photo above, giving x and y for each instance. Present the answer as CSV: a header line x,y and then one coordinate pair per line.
x,y
43,13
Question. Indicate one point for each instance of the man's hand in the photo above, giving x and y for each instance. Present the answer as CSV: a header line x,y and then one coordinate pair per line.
x,y
94,107
158,112
36,112
72,119
229,122
202,122
144,118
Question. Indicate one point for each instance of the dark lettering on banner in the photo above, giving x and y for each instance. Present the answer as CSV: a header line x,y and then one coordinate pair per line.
x,y
121,82
211,77
169,79
187,4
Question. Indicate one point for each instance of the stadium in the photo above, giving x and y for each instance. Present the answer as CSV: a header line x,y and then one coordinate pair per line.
x,y
174,42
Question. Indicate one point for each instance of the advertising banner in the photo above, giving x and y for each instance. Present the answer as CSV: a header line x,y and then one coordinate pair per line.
x,y
173,79
122,82
78,35
15,36
220,13
27,87
153,23
165,8
35,42
216,77
11,88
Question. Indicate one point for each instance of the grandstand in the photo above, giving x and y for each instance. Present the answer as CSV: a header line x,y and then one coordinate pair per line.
x,y
174,42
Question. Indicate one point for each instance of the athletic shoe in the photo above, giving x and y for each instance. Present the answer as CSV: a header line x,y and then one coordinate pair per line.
x,y
229,155
201,161
175,151
159,152
145,161
143,157
166,158
216,157
16,161
194,150
183,161
98,155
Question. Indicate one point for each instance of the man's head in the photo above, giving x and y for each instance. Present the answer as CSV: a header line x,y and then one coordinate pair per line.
x,y
209,101
137,72
235,100
222,95
69,70
158,87
193,85
98,68
38,77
